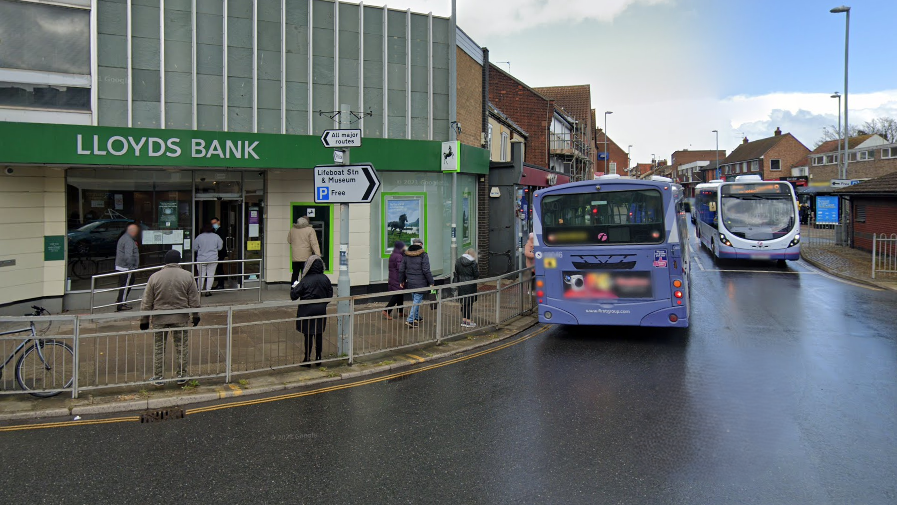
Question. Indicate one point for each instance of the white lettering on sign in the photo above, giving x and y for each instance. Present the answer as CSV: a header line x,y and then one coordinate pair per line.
x,y
118,145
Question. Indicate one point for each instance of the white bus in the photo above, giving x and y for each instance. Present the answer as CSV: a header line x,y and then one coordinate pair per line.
x,y
748,218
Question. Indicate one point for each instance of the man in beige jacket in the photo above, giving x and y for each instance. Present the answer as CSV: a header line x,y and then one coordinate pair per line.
x,y
169,289
303,244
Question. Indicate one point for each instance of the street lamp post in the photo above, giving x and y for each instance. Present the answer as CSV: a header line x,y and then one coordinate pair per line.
x,y
717,153
838,96
846,10
605,140
629,160
654,162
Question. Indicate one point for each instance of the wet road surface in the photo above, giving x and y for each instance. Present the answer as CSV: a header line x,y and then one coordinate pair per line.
x,y
784,390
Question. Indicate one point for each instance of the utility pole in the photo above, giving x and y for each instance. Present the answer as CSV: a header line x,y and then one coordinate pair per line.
x,y
453,122
605,140
717,153
838,96
342,286
629,160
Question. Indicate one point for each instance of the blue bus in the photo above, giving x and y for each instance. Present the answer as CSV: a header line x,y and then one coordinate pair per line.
x,y
748,218
612,251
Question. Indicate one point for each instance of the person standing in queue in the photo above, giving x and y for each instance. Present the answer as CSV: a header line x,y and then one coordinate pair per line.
x,y
219,278
207,246
530,256
127,257
171,288
395,282
313,286
303,244
466,269
415,273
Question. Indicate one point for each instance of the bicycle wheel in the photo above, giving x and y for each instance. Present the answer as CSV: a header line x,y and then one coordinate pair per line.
x,y
83,268
54,372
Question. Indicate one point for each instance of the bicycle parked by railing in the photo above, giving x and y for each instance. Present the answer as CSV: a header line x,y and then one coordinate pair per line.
x,y
46,365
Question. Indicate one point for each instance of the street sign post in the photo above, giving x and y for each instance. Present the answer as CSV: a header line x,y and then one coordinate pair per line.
x,y
345,183
341,138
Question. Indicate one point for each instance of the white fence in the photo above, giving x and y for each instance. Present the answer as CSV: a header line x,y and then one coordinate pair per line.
x,y
884,253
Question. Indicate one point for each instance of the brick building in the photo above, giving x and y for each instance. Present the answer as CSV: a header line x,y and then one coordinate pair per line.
x,y
525,107
576,102
470,98
617,158
688,156
770,158
868,156
873,209
640,170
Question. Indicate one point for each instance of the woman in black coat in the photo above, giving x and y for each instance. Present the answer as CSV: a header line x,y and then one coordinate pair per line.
x,y
313,286
395,281
466,269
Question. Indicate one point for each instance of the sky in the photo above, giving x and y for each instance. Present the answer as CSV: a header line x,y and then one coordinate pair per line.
x,y
674,70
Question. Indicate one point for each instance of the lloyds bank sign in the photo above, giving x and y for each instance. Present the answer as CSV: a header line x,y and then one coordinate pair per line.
x,y
99,145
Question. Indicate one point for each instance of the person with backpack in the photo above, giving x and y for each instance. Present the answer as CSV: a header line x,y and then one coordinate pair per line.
x,y
414,272
314,285
466,269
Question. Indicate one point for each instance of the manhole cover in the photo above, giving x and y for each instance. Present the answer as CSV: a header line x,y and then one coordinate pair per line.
x,y
155,416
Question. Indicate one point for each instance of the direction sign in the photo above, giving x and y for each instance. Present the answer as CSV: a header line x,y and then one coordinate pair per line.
x,y
345,183
341,138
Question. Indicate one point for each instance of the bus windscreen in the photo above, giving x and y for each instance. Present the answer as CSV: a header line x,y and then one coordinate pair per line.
x,y
603,218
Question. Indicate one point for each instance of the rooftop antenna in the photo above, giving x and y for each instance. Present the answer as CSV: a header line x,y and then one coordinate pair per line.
x,y
506,62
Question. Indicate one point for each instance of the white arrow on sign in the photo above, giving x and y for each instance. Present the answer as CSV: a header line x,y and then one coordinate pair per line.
x,y
341,138
345,183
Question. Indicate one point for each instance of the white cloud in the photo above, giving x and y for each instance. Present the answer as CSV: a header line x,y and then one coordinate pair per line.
x,y
663,127
481,18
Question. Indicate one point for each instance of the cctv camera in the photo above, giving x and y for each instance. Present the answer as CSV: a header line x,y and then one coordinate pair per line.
x,y
9,171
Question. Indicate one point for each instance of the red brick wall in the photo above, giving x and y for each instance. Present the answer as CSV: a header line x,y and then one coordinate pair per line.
x,y
616,155
855,169
525,107
881,217
470,99
790,151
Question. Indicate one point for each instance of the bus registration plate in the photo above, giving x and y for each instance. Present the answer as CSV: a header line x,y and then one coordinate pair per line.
x,y
607,285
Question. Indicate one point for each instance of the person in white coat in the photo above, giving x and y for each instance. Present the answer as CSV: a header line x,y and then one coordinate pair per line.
x,y
207,245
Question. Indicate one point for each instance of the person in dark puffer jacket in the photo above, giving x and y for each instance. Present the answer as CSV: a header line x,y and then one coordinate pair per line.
x,y
313,286
415,273
395,283
466,269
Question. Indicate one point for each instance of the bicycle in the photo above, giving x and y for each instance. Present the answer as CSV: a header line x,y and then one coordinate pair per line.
x,y
36,368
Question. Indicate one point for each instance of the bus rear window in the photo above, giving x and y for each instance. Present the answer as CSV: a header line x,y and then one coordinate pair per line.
x,y
605,218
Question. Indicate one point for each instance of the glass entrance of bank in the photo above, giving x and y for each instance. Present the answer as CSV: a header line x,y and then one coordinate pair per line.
x,y
101,202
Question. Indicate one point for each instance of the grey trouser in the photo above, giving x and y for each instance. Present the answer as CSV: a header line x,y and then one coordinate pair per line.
x,y
181,348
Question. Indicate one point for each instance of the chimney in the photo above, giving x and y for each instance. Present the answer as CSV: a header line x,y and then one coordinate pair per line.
x,y
745,141
778,131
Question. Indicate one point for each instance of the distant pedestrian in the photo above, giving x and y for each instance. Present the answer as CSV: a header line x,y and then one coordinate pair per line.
x,y
220,279
313,286
127,257
207,245
466,269
171,288
415,273
303,244
529,251
395,282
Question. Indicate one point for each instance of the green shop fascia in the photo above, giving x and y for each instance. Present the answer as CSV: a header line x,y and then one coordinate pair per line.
x,y
411,171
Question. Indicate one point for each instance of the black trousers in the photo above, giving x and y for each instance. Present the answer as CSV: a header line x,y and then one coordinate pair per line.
x,y
466,307
318,340
125,280
297,271
397,301
219,275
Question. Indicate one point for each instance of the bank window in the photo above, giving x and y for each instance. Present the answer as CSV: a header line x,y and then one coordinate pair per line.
x,y
39,96
775,165
44,37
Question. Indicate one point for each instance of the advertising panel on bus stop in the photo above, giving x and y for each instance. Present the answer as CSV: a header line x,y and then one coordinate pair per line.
x,y
826,210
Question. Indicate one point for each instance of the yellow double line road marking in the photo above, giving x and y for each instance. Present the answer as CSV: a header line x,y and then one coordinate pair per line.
x,y
237,391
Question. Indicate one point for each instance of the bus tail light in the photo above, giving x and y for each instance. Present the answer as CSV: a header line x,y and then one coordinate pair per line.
x,y
540,283
673,318
540,293
678,294
677,283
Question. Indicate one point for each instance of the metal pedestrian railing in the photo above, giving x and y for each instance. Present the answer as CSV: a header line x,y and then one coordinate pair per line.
x,y
109,350
819,234
884,253
248,279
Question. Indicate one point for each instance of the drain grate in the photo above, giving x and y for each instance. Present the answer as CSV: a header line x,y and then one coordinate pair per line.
x,y
156,416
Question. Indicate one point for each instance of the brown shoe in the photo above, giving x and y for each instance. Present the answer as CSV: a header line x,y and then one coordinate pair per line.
x,y
386,315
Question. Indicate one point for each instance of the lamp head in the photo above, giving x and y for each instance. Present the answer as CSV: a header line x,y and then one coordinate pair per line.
x,y
836,95
838,10
608,112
